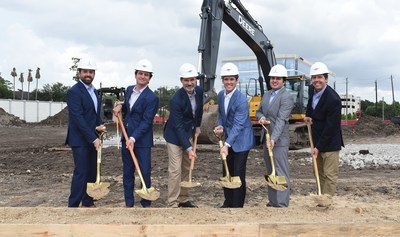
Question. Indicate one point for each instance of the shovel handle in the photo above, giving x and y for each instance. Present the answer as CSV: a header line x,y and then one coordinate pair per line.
x,y
270,153
117,128
314,158
132,153
99,159
221,144
194,150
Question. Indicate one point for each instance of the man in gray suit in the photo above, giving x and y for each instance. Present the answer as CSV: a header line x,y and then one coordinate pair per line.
x,y
234,122
275,107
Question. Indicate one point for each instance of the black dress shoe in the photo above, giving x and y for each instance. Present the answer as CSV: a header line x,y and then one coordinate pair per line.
x,y
187,204
224,206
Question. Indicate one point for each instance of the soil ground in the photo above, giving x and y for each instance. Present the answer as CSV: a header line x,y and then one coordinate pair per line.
x,y
35,182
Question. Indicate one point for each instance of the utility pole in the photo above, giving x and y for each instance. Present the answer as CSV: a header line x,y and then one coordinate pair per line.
x,y
394,104
376,97
383,108
347,99
334,85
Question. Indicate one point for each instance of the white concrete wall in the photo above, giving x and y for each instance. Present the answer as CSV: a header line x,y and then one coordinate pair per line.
x,y
32,110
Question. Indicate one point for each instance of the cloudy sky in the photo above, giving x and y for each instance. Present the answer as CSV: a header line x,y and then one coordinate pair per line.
x,y
358,39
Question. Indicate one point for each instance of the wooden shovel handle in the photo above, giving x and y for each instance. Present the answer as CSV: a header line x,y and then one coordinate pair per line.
x,y
314,158
194,150
131,151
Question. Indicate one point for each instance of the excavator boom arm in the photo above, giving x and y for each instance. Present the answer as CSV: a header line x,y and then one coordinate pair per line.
x,y
213,13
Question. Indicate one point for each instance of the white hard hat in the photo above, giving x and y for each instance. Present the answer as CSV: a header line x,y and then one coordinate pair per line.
x,y
229,69
87,64
144,65
187,70
318,68
278,71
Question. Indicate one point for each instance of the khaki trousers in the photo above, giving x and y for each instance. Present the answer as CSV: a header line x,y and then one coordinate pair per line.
x,y
178,170
328,169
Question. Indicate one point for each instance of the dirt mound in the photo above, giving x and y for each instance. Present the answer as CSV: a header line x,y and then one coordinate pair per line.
x,y
60,118
370,126
7,119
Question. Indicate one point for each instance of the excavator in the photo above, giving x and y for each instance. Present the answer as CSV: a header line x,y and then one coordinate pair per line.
x,y
238,19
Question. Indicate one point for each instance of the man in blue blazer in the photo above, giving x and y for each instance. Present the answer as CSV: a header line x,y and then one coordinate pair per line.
x,y
83,122
234,122
140,107
324,113
186,112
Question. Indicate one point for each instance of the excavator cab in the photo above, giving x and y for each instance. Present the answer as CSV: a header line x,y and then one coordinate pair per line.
x,y
108,96
297,86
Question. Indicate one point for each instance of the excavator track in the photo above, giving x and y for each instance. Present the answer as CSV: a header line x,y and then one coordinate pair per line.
x,y
298,136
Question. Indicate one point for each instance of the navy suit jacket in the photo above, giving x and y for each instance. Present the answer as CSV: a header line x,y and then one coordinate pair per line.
x,y
326,120
238,129
82,116
181,123
138,121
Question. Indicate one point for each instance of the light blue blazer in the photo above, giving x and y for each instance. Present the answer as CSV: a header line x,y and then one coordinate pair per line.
x,y
236,122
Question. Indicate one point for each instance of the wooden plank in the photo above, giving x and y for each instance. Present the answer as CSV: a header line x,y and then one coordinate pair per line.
x,y
198,230
116,230
59,149
325,229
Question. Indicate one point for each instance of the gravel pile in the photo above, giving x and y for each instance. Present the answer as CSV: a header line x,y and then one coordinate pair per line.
x,y
371,155
360,156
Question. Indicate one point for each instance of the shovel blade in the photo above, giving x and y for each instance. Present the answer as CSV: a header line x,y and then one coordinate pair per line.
x,y
189,184
150,194
230,182
98,190
276,182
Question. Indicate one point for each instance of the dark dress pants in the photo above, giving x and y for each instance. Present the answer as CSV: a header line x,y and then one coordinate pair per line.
x,y
237,167
143,156
85,160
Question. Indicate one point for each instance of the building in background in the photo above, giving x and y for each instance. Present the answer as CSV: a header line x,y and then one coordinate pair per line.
x,y
352,103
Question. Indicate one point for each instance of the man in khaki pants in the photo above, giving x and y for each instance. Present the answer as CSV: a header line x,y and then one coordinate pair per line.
x,y
186,112
324,113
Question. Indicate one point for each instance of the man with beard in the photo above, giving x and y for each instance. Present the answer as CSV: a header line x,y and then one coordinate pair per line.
x,y
186,112
275,107
83,122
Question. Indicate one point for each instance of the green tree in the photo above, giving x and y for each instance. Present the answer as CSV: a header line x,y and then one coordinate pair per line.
x,y
165,94
5,89
365,103
55,92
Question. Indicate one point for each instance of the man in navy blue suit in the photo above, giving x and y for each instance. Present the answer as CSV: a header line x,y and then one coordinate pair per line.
x,y
234,122
83,123
324,113
141,106
186,112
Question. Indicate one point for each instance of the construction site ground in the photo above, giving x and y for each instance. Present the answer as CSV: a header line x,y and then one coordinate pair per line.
x,y
36,170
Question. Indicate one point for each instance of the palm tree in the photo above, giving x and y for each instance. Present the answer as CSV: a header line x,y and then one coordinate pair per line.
x,y
14,74
21,79
37,76
30,79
